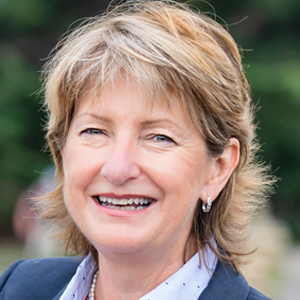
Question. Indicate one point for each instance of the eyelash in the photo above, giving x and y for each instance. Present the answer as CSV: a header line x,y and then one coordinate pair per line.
x,y
162,138
165,138
92,131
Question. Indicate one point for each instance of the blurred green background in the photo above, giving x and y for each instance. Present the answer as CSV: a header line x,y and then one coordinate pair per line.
x,y
28,31
267,30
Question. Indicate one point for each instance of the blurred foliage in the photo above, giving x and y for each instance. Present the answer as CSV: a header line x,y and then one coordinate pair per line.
x,y
28,31
270,38
268,31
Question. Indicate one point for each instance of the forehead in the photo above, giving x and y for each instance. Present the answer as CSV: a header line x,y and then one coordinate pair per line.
x,y
123,90
129,96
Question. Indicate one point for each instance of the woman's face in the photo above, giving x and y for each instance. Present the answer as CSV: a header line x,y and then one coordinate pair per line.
x,y
134,174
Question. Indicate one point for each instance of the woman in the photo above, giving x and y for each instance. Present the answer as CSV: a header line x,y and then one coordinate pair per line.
x,y
151,130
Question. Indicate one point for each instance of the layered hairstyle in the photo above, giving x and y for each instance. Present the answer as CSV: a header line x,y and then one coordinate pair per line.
x,y
173,53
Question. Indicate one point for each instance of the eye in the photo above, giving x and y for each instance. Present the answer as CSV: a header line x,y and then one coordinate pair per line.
x,y
92,131
163,138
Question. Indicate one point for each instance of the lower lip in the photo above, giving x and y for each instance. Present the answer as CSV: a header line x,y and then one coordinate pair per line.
x,y
121,213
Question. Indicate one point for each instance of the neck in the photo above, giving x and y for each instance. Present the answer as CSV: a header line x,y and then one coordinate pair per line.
x,y
131,276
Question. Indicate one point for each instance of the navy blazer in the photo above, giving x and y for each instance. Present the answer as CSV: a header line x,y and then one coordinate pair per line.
x,y
46,279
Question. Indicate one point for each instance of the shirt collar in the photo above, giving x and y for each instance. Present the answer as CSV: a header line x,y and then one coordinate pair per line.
x,y
187,283
80,284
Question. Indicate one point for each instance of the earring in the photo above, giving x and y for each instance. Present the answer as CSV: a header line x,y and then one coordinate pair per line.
x,y
206,206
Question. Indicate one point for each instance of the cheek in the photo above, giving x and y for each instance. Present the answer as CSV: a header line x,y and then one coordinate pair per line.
x,y
181,172
78,170
191,174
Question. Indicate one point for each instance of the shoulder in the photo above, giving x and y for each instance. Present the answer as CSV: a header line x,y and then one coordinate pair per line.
x,y
256,295
229,284
37,278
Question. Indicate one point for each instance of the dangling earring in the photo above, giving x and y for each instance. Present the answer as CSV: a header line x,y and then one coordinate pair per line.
x,y
206,206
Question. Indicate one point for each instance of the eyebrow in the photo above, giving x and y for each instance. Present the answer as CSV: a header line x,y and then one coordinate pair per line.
x,y
145,124
95,116
150,123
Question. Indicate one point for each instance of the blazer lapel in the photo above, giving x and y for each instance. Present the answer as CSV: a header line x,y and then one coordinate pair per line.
x,y
60,292
226,284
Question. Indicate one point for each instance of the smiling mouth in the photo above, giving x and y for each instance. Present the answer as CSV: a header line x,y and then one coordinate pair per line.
x,y
125,204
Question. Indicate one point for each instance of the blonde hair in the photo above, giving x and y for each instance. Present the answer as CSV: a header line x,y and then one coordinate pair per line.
x,y
167,49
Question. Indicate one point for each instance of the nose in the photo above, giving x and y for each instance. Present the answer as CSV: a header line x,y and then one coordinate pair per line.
x,y
120,165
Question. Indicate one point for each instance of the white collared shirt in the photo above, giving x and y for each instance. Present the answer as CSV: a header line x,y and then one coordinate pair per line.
x,y
187,283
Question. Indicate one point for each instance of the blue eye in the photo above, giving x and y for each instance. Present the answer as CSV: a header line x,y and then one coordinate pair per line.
x,y
162,138
93,131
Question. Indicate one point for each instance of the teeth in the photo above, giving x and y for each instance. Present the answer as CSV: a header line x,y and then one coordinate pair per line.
x,y
130,201
126,204
123,202
123,207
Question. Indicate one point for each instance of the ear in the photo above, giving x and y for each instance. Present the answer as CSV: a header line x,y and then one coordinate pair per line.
x,y
223,166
